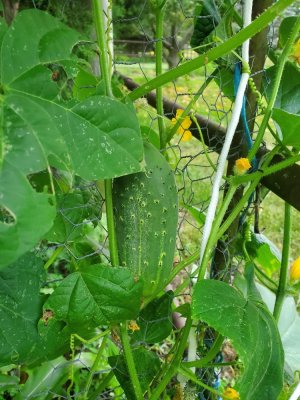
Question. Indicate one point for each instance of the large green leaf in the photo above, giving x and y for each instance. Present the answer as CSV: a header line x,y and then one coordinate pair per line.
x,y
289,328
253,332
20,307
76,209
98,138
96,295
289,127
34,37
264,253
155,320
46,381
147,365
285,29
289,89
26,335
25,216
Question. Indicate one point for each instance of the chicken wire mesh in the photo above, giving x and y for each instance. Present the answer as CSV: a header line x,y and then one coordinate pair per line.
x,y
79,234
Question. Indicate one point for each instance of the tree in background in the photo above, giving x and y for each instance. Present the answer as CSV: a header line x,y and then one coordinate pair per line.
x,y
136,21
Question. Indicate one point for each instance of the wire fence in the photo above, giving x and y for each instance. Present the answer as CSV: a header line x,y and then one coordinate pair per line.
x,y
81,208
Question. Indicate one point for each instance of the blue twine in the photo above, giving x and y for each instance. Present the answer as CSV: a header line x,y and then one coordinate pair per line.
x,y
237,78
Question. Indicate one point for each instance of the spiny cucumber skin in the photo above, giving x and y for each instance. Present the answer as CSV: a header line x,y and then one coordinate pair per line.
x,y
146,217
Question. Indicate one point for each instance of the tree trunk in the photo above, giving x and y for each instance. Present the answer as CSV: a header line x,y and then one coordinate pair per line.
x,y
172,58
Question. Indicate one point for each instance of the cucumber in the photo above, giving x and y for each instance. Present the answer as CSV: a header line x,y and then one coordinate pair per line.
x,y
146,217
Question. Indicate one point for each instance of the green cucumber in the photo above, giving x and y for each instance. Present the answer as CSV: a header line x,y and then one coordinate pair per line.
x,y
146,216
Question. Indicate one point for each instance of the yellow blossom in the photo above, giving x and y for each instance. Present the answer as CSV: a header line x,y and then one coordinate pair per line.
x,y
183,128
133,326
296,52
242,165
231,393
295,270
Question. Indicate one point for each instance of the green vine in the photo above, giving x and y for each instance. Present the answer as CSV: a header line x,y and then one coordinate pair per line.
x,y
256,26
284,262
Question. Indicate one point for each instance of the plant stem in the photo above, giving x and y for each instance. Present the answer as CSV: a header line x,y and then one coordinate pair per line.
x,y
284,262
102,43
281,165
53,257
203,144
280,67
175,363
188,374
188,108
260,23
130,362
159,13
102,386
212,237
214,350
103,59
94,368
113,247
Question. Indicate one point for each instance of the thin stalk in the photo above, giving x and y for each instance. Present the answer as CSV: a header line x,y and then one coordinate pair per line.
x,y
284,262
214,350
188,374
130,363
189,107
102,386
175,363
94,368
179,267
266,277
179,290
102,43
113,247
212,237
158,65
256,177
259,24
104,60
280,67
203,144
238,208
53,257
220,365
281,165
165,367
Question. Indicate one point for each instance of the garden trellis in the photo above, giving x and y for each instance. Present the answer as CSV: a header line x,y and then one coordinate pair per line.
x,y
65,143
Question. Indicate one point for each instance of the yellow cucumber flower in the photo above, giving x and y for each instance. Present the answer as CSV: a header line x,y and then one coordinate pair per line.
x,y
133,326
183,128
296,52
295,270
231,393
242,165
